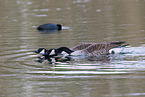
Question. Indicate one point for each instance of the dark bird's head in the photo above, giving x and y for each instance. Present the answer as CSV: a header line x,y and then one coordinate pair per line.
x,y
39,28
59,26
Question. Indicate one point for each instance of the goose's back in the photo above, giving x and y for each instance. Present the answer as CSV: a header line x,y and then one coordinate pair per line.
x,y
97,49
81,46
101,48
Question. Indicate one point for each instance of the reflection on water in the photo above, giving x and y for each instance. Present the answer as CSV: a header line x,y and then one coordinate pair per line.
x,y
64,78
83,21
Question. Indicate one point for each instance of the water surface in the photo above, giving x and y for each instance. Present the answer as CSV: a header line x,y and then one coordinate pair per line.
x,y
83,21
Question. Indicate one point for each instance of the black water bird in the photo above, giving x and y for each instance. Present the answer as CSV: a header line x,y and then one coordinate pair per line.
x,y
49,27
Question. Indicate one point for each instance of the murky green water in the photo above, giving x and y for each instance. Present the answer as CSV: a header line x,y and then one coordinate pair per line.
x,y
83,21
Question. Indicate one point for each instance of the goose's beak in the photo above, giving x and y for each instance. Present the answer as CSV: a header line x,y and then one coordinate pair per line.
x,y
36,51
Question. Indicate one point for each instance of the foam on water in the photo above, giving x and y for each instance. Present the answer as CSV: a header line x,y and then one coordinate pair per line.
x,y
132,51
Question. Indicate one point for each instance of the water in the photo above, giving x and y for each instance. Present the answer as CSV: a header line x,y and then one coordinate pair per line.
x,y
83,21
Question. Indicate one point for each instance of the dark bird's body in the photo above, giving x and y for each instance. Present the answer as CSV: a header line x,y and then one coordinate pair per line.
x,y
49,27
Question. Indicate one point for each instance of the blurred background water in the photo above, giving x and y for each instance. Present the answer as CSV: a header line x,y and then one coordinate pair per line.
x,y
83,21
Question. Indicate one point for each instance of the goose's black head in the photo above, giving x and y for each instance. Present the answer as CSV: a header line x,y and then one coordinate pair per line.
x,y
51,52
48,53
58,51
40,51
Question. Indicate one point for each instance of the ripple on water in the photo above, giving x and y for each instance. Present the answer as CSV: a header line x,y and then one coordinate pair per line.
x,y
21,61
75,72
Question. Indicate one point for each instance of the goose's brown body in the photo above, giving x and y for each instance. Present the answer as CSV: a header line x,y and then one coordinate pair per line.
x,y
95,49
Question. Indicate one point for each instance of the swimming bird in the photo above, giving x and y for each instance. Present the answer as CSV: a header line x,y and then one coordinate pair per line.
x,y
53,54
89,49
96,49
49,27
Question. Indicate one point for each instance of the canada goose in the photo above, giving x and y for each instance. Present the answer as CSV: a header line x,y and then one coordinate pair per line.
x,y
101,48
49,27
89,49
53,52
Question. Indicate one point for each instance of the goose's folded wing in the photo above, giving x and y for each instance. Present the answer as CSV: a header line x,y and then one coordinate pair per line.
x,y
101,48
97,49
81,46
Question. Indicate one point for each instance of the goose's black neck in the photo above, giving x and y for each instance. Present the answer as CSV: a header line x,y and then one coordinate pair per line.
x,y
56,52
66,49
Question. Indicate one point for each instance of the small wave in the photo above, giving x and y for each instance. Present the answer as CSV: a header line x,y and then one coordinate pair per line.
x,y
74,72
132,51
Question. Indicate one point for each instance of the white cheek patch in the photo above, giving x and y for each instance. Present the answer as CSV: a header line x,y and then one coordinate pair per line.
x,y
52,52
42,52
63,52
115,50
53,60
